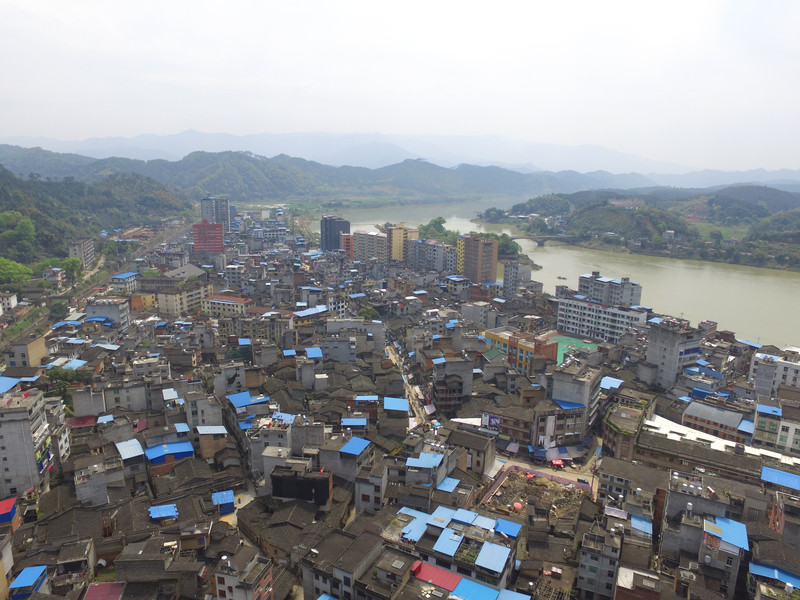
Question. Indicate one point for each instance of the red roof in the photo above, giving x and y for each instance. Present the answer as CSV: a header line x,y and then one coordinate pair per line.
x,y
105,591
7,505
438,577
140,426
86,421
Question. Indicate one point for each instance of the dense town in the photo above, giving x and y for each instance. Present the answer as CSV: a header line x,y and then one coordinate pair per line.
x,y
246,413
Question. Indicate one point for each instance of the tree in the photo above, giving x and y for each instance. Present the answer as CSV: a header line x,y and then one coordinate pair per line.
x,y
13,272
369,314
72,266
58,311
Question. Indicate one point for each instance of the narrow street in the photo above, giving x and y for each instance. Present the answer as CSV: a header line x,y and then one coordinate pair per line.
x,y
414,402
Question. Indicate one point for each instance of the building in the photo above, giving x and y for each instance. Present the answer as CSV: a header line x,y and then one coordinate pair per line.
x,y
478,258
124,283
116,309
243,576
25,453
398,237
84,250
330,229
515,275
672,345
599,562
769,371
524,350
608,291
225,306
208,237
216,210
29,352
590,319
370,244
183,300
576,383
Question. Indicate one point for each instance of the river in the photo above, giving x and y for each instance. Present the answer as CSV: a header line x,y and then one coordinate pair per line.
x,y
759,305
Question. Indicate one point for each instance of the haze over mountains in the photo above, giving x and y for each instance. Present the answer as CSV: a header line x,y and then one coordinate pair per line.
x,y
446,165
374,151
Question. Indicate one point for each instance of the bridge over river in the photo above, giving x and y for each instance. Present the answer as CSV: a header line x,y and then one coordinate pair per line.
x,y
541,239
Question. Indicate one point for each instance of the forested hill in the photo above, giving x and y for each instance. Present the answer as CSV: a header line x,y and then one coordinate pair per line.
x,y
39,217
243,176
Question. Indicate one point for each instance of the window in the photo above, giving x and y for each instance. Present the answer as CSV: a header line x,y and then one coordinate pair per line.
x,y
365,497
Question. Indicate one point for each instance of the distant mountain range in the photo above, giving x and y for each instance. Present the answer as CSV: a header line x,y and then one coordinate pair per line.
x,y
365,150
401,166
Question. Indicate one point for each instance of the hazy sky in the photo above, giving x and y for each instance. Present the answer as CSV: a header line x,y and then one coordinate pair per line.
x,y
700,83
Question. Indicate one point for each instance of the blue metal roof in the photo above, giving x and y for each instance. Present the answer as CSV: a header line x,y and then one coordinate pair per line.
x,y
640,524
7,383
165,511
493,557
441,517
484,522
567,405
510,528
448,542
314,352
731,532
225,497
439,361
760,570
609,382
182,427
354,422
165,449
765,409
285,417
310,312
426,460
211,430
746,426
781,478
366,399
289,352
129,449
749,343
448,484
469,590
463,515
245,425
27,577
512,595
355,446
243,399
105,418
244,341
390,403
126,275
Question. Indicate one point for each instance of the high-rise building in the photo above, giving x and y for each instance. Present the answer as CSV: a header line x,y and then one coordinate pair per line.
x,y
584,319
398,236
216,210
370,244
479,262
608,291
515,275
330,229
25,437
208,237
83,249
672,345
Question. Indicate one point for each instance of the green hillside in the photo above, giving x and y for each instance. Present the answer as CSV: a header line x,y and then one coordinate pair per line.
x,y
38,218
